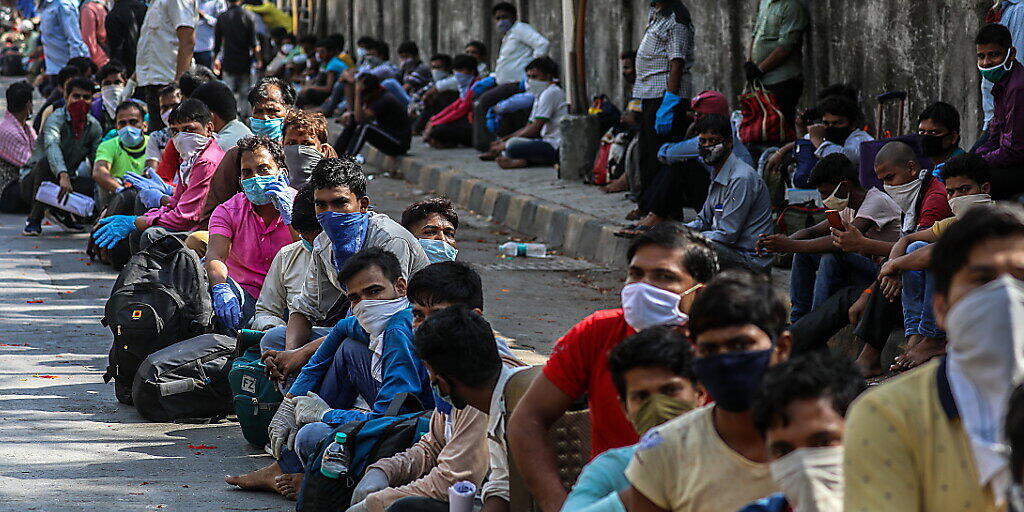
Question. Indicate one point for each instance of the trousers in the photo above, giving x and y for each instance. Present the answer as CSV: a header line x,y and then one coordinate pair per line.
x,y
918,287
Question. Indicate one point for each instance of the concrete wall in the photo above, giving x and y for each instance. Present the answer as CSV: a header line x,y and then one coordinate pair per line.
x,y
923,46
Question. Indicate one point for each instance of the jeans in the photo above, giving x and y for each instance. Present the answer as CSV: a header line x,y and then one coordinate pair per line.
x,y
396,90
816,277
730,257
534,151
918,315
273,339
240,83
306,441
204,58
349,377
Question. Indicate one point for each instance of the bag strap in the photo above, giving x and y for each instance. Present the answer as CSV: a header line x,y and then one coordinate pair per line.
x,y
399,402
164,246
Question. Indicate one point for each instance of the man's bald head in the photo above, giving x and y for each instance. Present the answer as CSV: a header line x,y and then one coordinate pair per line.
x,y
896,164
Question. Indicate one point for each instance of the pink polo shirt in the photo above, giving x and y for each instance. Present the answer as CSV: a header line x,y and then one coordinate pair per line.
x,y
253,243
184,213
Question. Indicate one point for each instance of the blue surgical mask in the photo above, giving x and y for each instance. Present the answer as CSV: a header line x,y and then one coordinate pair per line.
x,y
441,402
504,25
438,250
131,136
347,231
272,128
255,189
307,244
360,53
464,79
732,378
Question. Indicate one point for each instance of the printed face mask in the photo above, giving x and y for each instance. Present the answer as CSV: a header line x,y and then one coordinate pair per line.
x,y
438,250
255,189
712,155
644,306
272,128
835,203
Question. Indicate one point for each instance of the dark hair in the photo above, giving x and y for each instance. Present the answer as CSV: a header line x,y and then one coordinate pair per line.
x,y
339,40
453,282
479,45
328,44
254,142
942,113
979,224
193,78
110,68
190,110
218,98
386,261
131,105
629,54
505,6
80,82
420,209
365,41
466,62
738,298
545,65
261,91
819,374
969,165
19,96
994,33
459,344
444,58
834,168
840,89
409,48
699,257
67,73
304,212
842,106
167,90
85,65
654,347
308,39
383,50
370,81
1015,432
279,33
714,123
339,172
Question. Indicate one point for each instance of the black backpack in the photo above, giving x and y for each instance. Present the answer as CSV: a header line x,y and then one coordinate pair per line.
x,y
160,297
187,380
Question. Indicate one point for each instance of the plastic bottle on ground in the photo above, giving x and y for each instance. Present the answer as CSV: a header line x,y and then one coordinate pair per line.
x,y
335,461
523,249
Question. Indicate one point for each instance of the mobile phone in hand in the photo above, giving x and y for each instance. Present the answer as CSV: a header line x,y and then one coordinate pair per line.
x,y
834,220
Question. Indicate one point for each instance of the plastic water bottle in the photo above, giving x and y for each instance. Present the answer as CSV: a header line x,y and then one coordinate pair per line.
x,y
523,249
335,461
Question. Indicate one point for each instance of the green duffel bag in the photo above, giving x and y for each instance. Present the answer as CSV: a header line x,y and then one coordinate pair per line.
x,y
255,397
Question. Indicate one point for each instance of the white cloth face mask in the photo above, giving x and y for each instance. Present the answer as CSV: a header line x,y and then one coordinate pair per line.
x,y
811,478
645,306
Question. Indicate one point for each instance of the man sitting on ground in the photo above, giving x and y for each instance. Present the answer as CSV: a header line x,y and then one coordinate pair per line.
x,y
122,154
939,128
16,133
305,144
666,266
112,81
452,127
653,374
433,222
714,458
1003,147
375,117
800,411
838,131
169,98
737,210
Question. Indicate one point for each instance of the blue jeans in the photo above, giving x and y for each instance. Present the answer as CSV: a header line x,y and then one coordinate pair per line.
x,y
308,437
534,151
918,315
816,277
349,377
396,90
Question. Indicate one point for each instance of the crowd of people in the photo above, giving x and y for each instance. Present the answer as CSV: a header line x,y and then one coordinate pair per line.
x,y
706,390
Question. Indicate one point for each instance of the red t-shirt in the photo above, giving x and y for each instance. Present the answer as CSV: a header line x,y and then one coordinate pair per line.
x,y
579,364
934,206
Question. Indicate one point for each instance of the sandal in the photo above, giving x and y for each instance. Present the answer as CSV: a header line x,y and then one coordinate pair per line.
x,y
632,231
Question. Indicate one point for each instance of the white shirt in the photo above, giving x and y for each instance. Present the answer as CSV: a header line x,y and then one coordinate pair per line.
x,y
497,445
521,44
284,280
551,107
157,58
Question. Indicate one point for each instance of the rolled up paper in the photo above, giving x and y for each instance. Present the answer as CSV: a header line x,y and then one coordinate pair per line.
x,y
460,497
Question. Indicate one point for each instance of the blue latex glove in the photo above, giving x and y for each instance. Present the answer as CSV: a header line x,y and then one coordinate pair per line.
x,y
113,229
150,180
483,85
225,305
281,198
150,197
493,120
663,120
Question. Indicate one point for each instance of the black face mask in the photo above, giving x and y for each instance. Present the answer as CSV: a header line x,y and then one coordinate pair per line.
x,y
837,134
933,145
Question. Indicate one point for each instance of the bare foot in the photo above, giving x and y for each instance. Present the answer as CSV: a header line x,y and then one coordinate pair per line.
x,y
922,352
511,163
617,185
289,485
259,480
634,215
869,362
489,156
899,363
651,220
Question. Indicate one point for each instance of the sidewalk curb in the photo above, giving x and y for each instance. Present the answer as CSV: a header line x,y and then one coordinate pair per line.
x,y
574,233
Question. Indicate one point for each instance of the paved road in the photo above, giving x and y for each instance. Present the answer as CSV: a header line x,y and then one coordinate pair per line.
x,y
68,445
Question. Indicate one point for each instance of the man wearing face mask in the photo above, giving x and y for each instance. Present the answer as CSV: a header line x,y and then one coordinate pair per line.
x,y
415,73
949,412
799,411
123,154
247,231
667,266
437,94
433,222
451,127
344,369
737,210
192,126
714,458
169,98
939,128
839,131
653,373
112,82
376,117
339,191
520,44
69,137
305,144
1004,147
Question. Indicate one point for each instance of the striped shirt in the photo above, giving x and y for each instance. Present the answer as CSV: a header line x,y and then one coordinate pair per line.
x,y
669,36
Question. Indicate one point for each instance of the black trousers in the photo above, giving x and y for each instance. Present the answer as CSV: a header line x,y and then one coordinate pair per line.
x,y
41,172
433,107
151,94
677,186
788,93
1007,182
651,141
454,134
877,322
355,135
482,137
418,504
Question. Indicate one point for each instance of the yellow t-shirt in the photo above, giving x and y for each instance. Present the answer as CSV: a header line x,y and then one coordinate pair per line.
x,y
684,465
940,226
904,454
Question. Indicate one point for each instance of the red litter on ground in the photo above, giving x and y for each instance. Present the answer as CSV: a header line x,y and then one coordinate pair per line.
x,y
201,447
46,376
37,301
13,344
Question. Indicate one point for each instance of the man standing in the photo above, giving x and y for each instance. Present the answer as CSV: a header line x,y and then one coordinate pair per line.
x,y
1004,147
94,30
209,10
663,81
165,49
122,27
520,44
235,34
62,36
775,52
